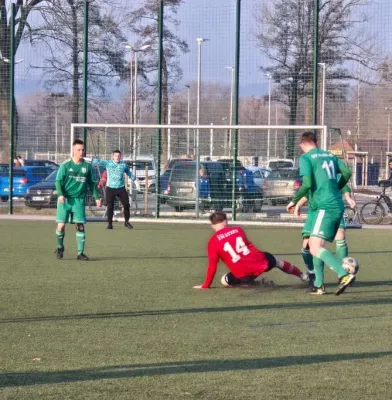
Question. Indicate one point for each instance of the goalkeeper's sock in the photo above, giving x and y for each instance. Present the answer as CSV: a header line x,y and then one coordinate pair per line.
x,y
329,259
308,259
80,241
341,249
60,238
319,272
289,268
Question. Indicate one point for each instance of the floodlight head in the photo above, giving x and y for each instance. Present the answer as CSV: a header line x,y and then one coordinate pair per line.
x,y
145,47
200,40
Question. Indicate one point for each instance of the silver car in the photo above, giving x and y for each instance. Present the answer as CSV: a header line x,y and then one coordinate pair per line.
x,y
281,185
259,175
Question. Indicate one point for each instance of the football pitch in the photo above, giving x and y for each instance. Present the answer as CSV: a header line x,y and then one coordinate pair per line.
x,y
128,325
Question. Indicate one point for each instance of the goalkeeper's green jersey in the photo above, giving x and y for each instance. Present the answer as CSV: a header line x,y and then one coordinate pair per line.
x,y
72,179
324,168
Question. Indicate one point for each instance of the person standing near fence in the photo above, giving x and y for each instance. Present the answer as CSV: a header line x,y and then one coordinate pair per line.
x,y
115,186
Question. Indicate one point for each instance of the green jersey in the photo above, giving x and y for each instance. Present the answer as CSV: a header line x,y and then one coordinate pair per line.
x,y
324,169
72,179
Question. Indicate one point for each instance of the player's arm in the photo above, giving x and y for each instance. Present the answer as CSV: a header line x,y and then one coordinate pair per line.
x,y
345,172
346,192
213,259
130,173
93,186
58,183
98,161
305,169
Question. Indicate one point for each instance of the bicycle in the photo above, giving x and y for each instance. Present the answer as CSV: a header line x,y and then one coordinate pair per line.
x,y
374,212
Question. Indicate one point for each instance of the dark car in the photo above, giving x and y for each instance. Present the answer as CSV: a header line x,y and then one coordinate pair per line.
x,y
182,185
23,178
281,185
40,163
44,195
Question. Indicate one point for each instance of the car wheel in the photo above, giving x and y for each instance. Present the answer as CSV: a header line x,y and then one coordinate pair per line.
x,y
178,209
273,203
4,198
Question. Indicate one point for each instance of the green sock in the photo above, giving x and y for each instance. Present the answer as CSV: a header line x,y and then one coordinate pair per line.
x,y
319,271
341,249
60,238
308,259
80,241
329,259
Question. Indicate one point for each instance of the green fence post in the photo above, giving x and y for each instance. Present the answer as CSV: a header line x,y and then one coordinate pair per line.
x,y
12,106
236,107
85,71
315,59
159,108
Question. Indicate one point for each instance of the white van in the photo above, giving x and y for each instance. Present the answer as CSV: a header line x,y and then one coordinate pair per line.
x,y
139,168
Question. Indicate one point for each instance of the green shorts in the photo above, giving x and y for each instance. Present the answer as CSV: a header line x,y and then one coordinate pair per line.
x,y
328,222
73,211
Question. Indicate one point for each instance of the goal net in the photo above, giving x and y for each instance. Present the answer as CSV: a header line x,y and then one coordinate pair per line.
x,y
189,170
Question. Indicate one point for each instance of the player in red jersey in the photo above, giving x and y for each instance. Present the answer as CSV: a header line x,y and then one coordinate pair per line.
x,y
244,260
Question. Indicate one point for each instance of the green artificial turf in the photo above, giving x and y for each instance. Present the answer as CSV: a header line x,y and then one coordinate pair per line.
x,y
128,325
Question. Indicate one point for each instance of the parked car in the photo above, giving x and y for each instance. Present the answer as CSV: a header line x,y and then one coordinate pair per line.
x,y
259,175
139,165
164,179
280,163
281,185
182,185
44,195
23,178
40,163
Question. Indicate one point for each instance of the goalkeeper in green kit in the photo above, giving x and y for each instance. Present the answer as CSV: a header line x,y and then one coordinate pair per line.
x,y
73,177
320,170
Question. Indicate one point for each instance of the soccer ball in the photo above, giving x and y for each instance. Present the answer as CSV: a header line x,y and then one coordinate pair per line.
x,y
351,265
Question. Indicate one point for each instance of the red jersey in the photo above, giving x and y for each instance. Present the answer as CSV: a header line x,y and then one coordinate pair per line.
x,y
239,254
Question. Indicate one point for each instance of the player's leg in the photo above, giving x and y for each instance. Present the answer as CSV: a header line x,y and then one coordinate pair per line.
x,y
79,218
285,267
229,280
340,241
110,196
62,217
324,229
124,199
305,251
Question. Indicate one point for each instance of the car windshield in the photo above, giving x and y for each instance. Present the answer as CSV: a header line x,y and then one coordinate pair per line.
x,y
183,172
285,174
140,165
280,164
51,177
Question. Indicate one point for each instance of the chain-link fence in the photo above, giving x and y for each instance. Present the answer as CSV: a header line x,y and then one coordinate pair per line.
x,y
251,62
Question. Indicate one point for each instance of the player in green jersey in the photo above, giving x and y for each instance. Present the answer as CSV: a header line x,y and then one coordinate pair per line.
x,y
73,177
340,238
319,170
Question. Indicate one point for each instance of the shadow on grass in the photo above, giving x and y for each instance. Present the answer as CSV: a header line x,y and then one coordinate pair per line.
x,y
149,313
168,368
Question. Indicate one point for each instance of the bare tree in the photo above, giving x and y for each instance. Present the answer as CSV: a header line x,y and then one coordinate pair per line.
x,y
61,33
144,23
286,37
23,10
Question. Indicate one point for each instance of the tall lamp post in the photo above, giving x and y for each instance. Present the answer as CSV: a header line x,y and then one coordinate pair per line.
x,y
134,94
269,76
388,127
189,118
232,69
56,128
199,43
322,65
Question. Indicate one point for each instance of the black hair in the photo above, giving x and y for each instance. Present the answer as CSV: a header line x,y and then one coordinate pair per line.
x,y
77,141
